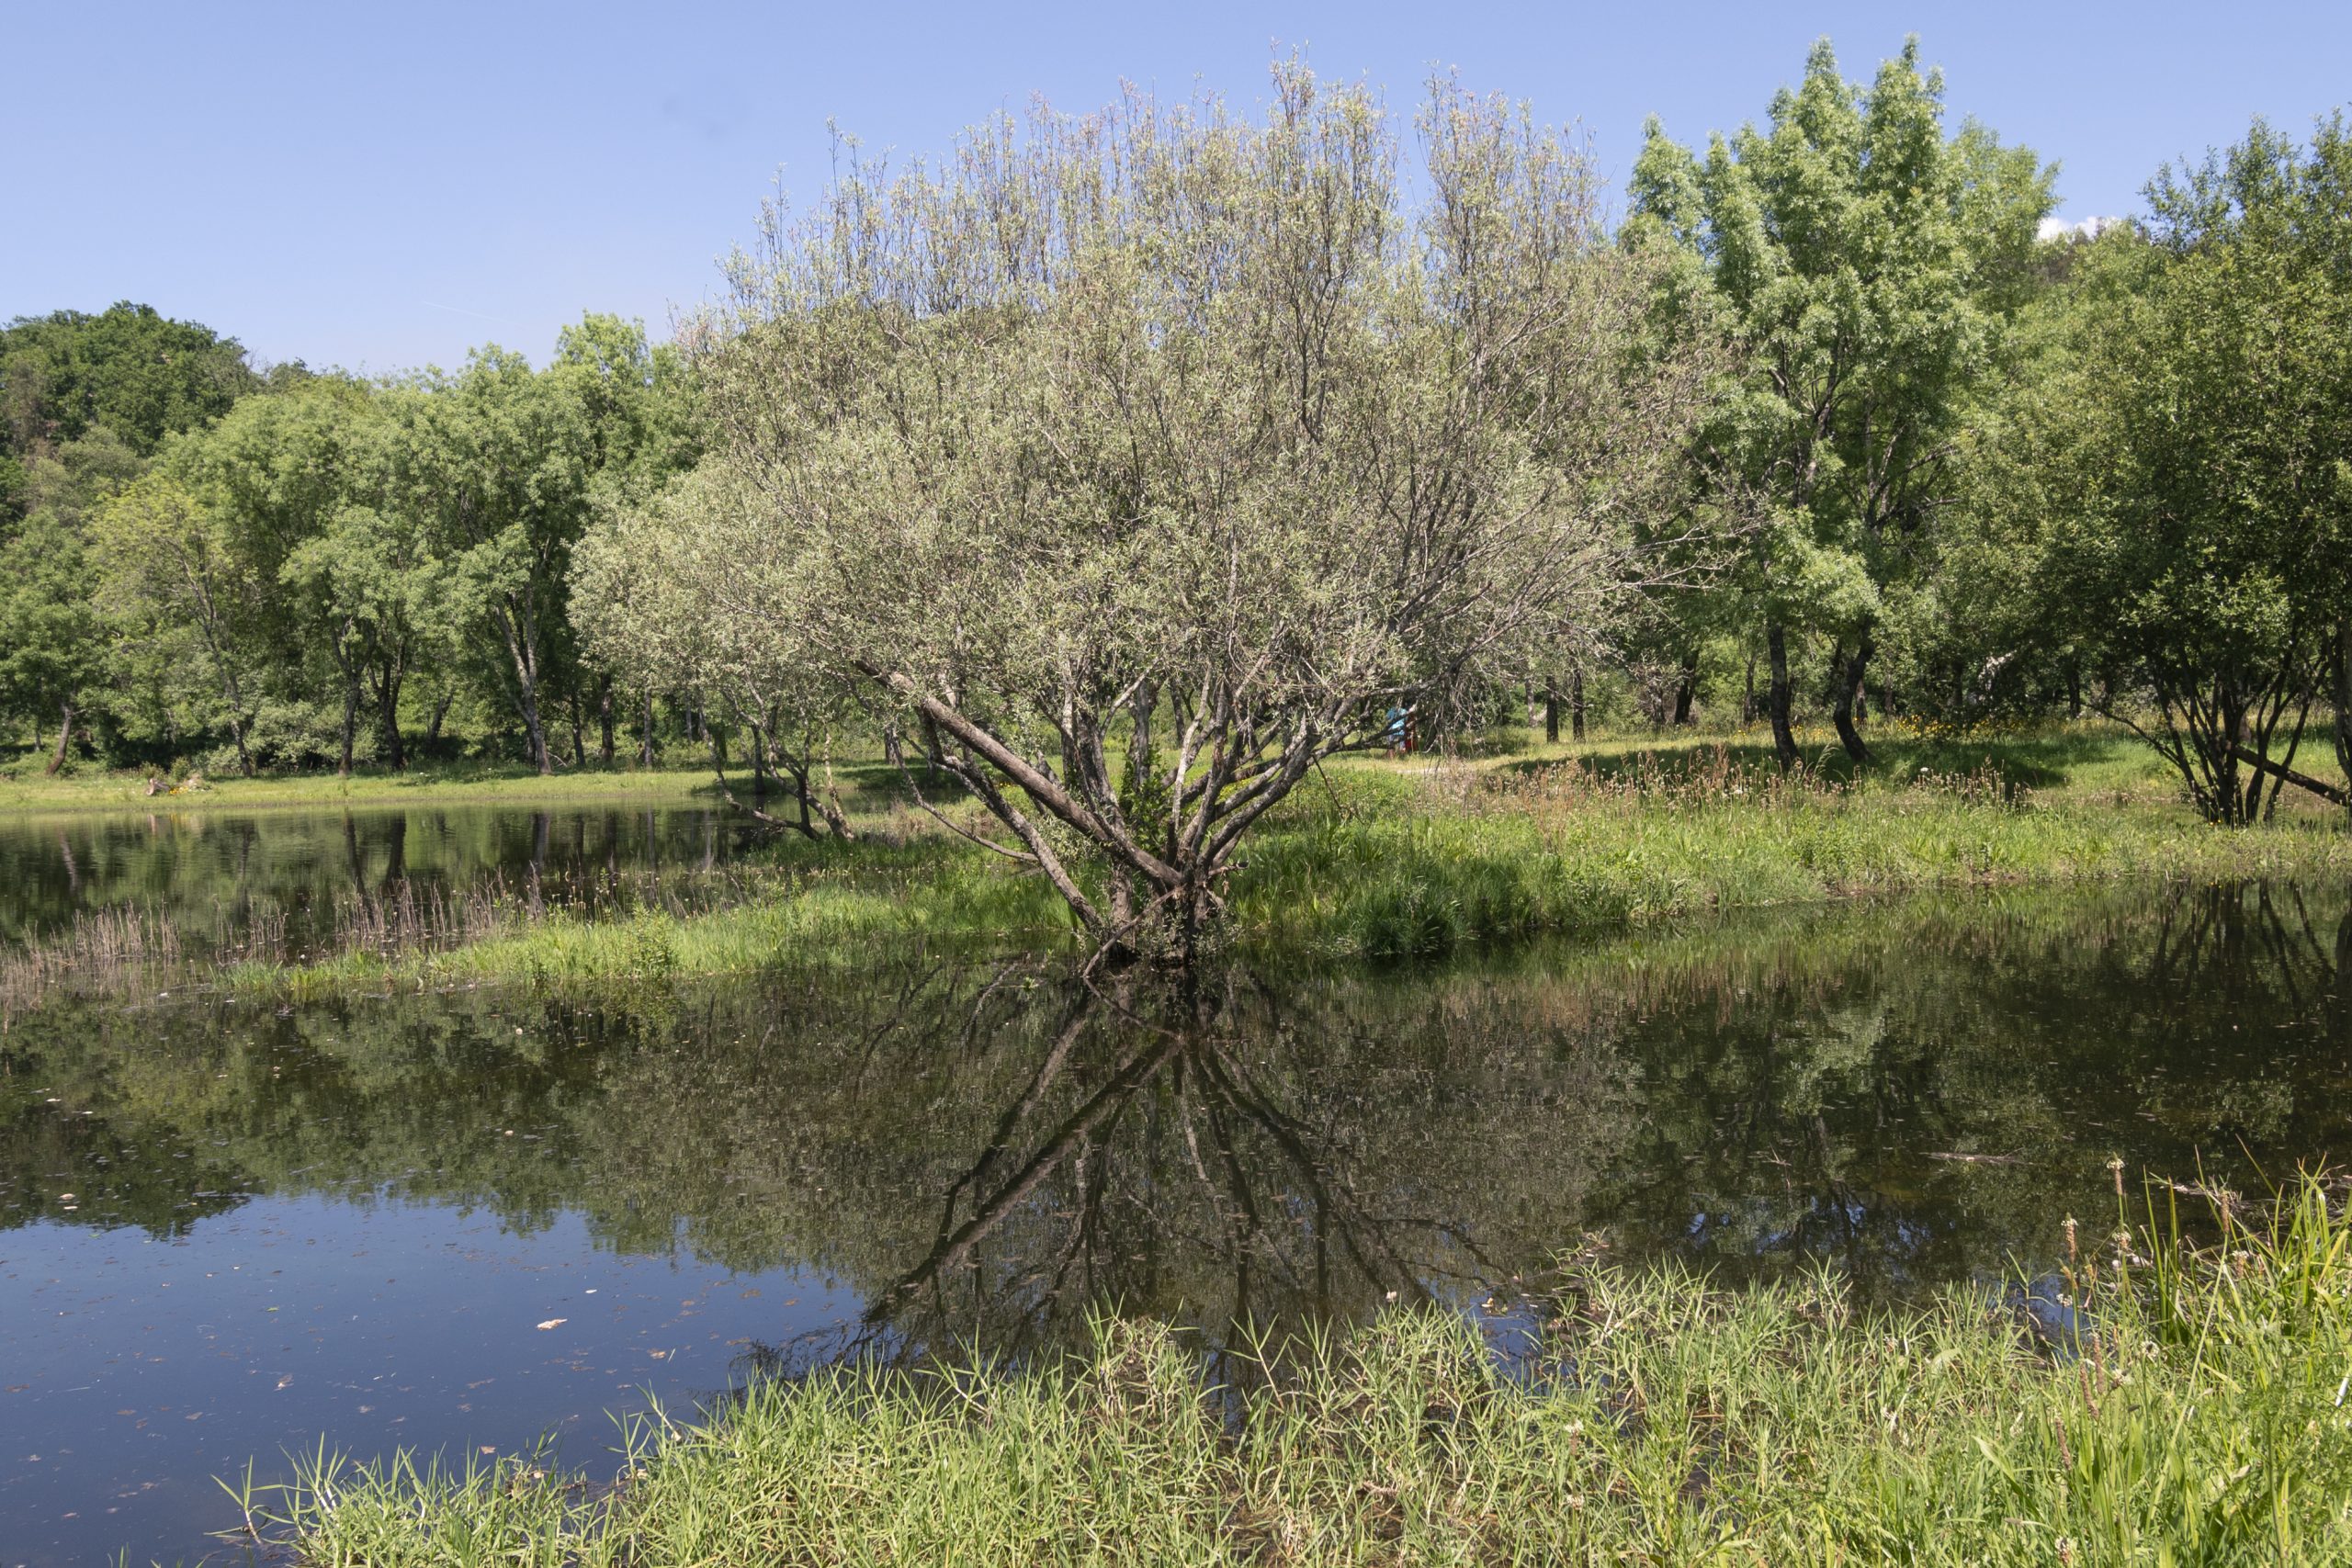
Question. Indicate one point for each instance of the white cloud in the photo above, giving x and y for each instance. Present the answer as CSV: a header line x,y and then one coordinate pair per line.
x,y
2088,228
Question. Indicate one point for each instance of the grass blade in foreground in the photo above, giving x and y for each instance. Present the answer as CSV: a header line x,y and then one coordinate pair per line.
x,y
2204,1420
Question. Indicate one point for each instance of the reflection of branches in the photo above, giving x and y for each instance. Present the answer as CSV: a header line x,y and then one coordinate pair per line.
x,y
953,1248
1336,1205
916,988
2209,939
1091,1200
978,1009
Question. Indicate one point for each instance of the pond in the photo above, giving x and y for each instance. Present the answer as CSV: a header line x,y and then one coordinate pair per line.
x,y
283,881
484,1221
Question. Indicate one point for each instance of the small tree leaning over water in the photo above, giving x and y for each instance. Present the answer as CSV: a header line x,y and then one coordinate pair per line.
x,y
643,598
1168,432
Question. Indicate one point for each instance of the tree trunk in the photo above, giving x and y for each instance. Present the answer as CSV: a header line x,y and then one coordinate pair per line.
x,y
1747,697
1781,698
524,654
645,734
2340,695
235,704
535,735
395,752
1576,705
350,719
1849,691
433,725
760,768
1551,712
1686,690
605,718
2285,772
64,734
244,758
579,728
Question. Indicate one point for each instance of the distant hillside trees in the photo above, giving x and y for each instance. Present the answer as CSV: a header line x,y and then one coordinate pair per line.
x,y
128,370
300,567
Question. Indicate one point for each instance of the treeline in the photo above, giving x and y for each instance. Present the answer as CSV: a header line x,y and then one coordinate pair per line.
x,y
1826,427
204,563
2005,475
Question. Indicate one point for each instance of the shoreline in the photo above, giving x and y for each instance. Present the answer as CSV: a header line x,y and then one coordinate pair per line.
x,y
1328,887
1376,861
2189,1418
121,795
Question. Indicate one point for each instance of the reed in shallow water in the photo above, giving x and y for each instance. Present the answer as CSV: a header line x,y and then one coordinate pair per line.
x,y
2177,1404
115,947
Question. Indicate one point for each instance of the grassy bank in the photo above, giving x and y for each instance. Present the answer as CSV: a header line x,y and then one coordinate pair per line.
x,y
1380,859
814,904
2199,1416
1394,862
1370,858
29,791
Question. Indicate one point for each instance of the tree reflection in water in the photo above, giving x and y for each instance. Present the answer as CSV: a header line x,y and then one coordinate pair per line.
x,y
1910,1093
1161,1158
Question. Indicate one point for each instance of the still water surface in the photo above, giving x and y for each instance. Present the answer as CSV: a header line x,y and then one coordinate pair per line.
x,y
292,876
479,1221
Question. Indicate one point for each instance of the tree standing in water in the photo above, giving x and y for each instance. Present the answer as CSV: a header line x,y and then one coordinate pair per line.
x,y
1167,433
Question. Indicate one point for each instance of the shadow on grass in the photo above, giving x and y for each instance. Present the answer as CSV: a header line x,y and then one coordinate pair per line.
x,y
2030,761
873,787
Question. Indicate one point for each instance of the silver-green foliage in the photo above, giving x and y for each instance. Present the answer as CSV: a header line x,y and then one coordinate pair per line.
x,y
1170,429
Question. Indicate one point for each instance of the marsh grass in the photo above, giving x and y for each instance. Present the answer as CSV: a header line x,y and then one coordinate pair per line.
x,y
26,789
1447,855
1368,858
108,949
869,789
822,906
2188,1407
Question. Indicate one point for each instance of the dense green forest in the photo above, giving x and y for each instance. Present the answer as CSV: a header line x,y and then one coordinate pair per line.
x,y
1836,437
241,571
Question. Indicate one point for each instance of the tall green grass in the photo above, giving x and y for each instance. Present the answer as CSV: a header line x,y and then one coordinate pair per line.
x,y
825,904
28,790
2190,1409
1389,863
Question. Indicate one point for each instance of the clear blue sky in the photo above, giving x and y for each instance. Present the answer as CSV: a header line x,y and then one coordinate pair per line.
x,y
382,186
